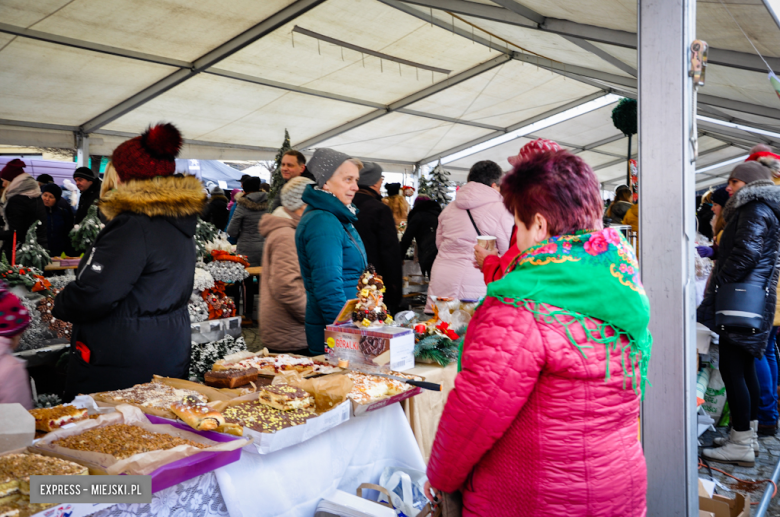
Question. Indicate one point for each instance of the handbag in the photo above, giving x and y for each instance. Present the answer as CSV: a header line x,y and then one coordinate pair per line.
x,y
740,307
473,223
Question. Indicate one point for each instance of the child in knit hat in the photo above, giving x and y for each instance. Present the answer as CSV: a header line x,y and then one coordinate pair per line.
x,y
14,381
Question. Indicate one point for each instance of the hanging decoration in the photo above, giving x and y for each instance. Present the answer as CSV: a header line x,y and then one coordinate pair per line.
x,y
624,117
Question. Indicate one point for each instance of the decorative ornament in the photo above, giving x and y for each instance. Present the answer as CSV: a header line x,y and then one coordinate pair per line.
x,y
84,235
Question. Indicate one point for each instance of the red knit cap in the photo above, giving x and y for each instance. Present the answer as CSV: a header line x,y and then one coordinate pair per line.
x,y
149,155
540,145
12,169
14,318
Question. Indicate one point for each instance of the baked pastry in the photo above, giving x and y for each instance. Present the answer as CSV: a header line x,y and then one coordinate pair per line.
x,y
228,428
122,441
154,395
370,308
16,469
50,418
197,415
264,419
273,365
370,388
285,397
230,378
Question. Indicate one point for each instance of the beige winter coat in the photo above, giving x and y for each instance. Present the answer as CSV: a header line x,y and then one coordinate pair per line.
x,y
282,294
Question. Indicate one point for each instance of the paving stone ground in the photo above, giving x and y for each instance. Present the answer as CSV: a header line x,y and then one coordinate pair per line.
x,y
765,465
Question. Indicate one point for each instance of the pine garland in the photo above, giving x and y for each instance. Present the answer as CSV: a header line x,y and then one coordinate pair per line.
x,y
31,253
277,181
29,277
439,185
204,234
84,235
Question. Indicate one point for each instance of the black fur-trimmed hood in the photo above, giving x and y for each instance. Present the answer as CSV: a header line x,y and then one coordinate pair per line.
x,y
762,190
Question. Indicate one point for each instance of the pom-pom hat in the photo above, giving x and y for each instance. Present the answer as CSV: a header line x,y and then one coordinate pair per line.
x,y
12,169
14,318
292,191
151,154
532,148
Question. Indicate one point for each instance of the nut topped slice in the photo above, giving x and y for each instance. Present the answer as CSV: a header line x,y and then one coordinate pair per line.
x,y
285,397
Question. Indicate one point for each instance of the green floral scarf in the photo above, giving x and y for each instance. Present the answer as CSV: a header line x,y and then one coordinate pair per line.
x,y
581,278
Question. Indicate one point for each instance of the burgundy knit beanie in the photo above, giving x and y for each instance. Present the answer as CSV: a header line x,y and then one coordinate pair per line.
x,y
14,318
149,155
12,169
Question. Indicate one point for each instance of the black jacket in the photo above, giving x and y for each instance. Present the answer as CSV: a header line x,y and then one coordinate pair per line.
x,y
59,223
748,253
421,225
376,227
216,212
128,304
20,213
87,199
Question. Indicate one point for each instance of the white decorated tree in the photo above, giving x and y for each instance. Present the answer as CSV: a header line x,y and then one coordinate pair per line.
x,y
439,184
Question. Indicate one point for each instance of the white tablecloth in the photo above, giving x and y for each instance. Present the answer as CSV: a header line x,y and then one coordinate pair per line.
x,y
292,481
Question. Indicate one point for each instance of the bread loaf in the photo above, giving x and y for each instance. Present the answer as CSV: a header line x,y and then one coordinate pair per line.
x,y
198,415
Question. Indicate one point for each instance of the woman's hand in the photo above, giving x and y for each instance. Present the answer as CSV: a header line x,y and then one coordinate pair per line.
x,y
433,494
481,253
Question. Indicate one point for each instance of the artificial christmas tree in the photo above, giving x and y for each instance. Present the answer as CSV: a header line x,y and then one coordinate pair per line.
x,y
439,185
423,187
31,253
277,181
83,235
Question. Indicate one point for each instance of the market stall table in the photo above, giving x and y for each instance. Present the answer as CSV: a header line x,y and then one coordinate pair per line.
x,y
424,411
52,267
290,482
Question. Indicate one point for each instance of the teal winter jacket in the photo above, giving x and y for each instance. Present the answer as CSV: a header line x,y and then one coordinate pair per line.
x,y
331,256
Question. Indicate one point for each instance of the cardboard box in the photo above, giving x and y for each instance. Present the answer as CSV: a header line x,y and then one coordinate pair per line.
x,y
721,506
17,429
379,348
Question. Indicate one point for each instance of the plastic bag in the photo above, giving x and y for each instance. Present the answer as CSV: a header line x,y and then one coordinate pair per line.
x,y
715,396
406,487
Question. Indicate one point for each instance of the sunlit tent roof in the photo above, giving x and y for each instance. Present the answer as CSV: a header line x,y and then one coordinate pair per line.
x,y
404,83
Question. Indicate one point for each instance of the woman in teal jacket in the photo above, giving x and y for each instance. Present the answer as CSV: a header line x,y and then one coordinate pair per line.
x,y
330,251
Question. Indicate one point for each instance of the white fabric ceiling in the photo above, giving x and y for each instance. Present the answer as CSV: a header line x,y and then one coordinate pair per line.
x,y
233,76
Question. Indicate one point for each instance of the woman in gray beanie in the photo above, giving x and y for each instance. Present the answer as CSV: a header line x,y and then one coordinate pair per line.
x,y
748,254
330,252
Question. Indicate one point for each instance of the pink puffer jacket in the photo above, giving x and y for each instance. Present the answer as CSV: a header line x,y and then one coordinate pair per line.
x,y
533,429
454,274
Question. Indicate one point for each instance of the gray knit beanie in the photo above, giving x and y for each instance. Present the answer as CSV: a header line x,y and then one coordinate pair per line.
x,y
292,192
370,174
750,172
324,162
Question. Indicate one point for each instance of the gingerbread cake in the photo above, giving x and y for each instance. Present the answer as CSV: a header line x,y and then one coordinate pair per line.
x,y
122,441
264,419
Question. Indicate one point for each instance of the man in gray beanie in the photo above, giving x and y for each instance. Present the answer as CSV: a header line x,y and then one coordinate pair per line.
x,y
376,227
282,293
747,256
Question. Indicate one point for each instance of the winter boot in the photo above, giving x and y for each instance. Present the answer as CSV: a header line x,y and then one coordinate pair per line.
x,y
722,440
737,451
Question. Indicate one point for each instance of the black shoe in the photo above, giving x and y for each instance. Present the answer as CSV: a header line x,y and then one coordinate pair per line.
x,y
767,430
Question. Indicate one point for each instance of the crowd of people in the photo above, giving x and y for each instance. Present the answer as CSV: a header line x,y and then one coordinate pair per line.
x,y
552,369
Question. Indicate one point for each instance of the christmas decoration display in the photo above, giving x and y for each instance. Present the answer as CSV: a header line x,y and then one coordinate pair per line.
x,y
204,234
47,400
437,342
438,189
37,332
84,235
220,305
370,310
27,277
203,280
60,281
204,355
277,181
31,253
227,267
221,243
198,308
57,327
624,117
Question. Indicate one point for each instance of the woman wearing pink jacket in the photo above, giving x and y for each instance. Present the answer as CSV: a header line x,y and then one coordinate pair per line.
x,y
453,274
544,414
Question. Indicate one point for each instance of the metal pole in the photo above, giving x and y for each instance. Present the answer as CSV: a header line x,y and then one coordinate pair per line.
x,y
666,232
82,150
763,506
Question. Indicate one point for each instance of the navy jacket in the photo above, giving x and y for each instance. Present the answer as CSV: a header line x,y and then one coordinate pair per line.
x,y
332,258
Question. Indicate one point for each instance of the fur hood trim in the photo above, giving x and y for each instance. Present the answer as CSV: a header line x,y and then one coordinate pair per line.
x,y
770,162
158,197
761,190
257,201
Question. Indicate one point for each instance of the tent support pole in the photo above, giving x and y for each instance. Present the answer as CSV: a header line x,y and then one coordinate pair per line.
x,y
667,235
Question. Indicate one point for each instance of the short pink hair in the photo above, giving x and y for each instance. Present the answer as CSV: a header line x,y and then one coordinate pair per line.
x,y
558,185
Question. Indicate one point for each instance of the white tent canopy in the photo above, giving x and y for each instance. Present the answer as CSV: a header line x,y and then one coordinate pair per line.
x,y
400,82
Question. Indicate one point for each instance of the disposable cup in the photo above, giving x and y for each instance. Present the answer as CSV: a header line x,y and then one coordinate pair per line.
x,y
487,241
